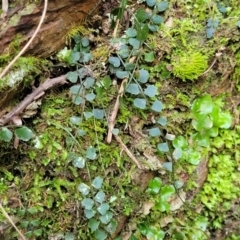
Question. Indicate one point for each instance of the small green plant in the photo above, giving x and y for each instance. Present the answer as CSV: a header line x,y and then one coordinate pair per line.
x,y
149,231
184,151
97,209
23,133
163,193
208,118
159,196
190,228
33,225
212,24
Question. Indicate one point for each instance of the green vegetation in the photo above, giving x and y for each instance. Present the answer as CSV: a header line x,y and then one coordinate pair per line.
x,y
24,70
175,111
189,65
222,182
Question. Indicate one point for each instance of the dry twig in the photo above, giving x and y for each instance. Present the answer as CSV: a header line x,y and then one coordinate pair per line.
x,y
38,92
112,118
127,151
11,221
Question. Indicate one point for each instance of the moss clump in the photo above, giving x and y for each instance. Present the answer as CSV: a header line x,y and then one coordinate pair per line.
x,y
101,52
189,66
76,30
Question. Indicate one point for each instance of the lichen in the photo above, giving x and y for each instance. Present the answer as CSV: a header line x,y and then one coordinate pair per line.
x,y
189,65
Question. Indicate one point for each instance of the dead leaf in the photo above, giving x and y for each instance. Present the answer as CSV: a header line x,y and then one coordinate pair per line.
x,y
166,220
177,200
147,206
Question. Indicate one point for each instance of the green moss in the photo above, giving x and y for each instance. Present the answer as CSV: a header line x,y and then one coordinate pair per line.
x,y
12,50
190,65
28,9
236,74
4,59
76,30
24,70
220,188
101,52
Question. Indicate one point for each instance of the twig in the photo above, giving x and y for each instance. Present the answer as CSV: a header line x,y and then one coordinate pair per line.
x,y
115,29
112,118
11,221
217,55
28,43
5,6
48,84
127,151
214,61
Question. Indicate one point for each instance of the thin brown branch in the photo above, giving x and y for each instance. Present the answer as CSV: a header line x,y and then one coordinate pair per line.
x,y
214,61
127,151
112,118
5,6
48,84
115,29
217,55
11,222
